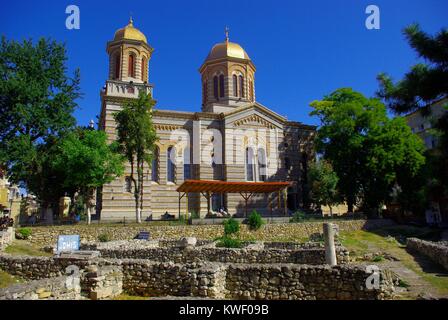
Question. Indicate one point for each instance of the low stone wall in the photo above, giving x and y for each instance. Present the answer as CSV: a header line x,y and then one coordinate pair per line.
x,y
6,237
47,236
58,288
302,282
436,251
226,255
108,277
145,278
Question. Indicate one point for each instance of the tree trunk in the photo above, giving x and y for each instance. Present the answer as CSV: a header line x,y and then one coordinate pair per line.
x,y
331,211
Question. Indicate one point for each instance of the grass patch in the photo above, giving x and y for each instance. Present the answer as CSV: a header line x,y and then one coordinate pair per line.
x,y
21,247
361,242
7,279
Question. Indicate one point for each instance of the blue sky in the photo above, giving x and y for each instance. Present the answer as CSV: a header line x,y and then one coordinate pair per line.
x,y
302,49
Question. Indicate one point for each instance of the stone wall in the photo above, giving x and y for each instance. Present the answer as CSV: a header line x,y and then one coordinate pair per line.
x,y
310,255
302,282
47,236
208,279
58,288
102,282
6,237
436,251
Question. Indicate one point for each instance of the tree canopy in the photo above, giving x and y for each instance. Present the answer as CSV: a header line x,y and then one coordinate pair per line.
x,y
37,99
368,151
323,184
426,82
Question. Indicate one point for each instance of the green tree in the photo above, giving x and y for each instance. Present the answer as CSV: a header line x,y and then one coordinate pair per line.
x,y
136,137
323,184
88,162
368,151
426,82
423,85
37,99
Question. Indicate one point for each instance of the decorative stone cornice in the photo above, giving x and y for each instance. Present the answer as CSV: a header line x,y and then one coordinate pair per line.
x,y
254,118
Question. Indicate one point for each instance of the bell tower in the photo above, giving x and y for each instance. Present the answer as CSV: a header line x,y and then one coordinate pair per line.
x,y
228,77
129,55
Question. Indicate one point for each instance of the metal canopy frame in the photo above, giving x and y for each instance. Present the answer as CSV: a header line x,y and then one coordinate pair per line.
x,y
245,189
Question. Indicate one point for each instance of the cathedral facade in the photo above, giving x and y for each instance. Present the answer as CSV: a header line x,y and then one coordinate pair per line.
x,y
232,138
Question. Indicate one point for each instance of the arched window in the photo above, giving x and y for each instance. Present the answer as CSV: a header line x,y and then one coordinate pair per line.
x,y
241,86
144,69
215,87
235,85
170,164
131,66
262,164
221,86
117,66
155,165
250,165
127,184
187,164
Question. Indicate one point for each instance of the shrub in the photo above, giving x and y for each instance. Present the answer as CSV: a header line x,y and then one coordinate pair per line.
x,y
298,216
231,226
103,237
378,258
23,233
255,221
195,215
227,242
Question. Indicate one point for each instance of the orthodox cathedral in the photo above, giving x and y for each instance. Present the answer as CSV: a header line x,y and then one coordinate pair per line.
x,y
232,138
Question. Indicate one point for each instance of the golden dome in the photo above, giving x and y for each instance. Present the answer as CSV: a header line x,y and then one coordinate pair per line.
x,y
130,33
227,49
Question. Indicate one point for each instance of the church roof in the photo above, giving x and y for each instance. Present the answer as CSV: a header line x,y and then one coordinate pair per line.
x,y
129,32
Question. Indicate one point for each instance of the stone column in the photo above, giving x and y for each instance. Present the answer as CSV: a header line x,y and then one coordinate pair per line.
x,y
330,250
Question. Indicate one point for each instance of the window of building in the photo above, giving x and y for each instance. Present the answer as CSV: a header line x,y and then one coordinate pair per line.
x,y
217,202
128,184
187,164
262,164
221,86
155,166
215,87
117,66
235,85
131,66
170,164
241,86
287,163
250,165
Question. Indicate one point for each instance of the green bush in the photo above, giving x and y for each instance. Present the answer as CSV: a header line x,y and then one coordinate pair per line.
x,y
298,216
103,237
255,221
231,226
195,215
227,242
24,233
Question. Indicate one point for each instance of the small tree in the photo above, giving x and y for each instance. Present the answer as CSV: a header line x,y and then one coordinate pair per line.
x,y
323,182
89,162
136,137
255,221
